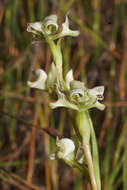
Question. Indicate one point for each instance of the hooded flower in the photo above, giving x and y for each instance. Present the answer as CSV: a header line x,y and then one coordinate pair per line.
x,y
66,148
44,81
65,151
40,83
78,97
48,28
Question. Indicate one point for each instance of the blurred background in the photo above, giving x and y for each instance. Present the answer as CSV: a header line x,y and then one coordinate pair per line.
x,y
27,126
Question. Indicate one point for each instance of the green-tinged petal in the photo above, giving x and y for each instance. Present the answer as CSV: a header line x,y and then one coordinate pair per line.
x,y
52,78
99,105
40,83
62,101
50,23
75,84
97,92
69,78
77,93
66,31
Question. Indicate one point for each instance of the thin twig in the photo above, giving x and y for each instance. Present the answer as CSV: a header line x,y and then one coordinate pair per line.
x,y
49,130
18,179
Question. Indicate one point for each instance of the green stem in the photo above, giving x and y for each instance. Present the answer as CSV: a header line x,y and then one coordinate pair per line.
x,y
84,127
95,156
57,57
90,165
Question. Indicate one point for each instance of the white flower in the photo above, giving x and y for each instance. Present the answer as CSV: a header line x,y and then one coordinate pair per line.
x,y
78,97
40,83
48,27
66,149
44,81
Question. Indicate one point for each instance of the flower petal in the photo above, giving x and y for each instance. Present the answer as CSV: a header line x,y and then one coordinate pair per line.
x,y
40,83
97,92
66,31
69,78
52,78
36,26
99,105
62,101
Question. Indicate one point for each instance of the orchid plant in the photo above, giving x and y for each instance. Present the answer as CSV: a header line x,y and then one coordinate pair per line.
x,y
72,94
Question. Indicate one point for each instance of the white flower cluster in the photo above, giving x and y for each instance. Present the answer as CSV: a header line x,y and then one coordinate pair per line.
x,y
76,96
70,93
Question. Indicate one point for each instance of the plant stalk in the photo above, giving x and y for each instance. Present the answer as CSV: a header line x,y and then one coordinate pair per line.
x,y
57,57
84,127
